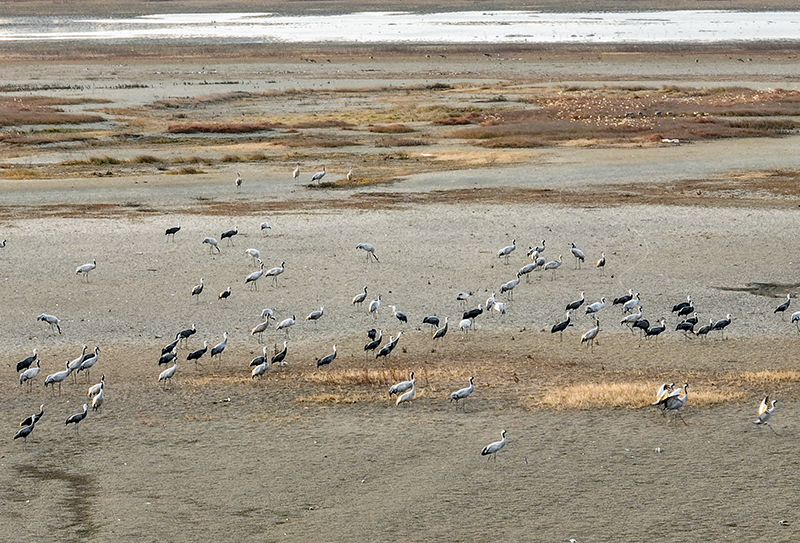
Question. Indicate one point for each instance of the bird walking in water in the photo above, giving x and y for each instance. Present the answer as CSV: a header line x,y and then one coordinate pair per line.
x,y
86,268
492,448
463,393
765,411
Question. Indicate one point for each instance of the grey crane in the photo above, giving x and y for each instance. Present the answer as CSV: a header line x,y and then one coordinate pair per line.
x,y
441,332
326,360
316,315
90,361
255,276
360,297
492,448
86,268
579,256
370,250
52,320
238,181
590,335
402,386
58,377
212,243
217,349
275,272
28,375
553,265
100,397
319,175
507,250
408,395
198,289
463,393
285,324
77,417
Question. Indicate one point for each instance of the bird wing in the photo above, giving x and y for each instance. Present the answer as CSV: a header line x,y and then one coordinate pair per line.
x,y
764,406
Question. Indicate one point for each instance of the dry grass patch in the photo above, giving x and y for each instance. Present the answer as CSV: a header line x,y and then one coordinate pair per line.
x,y
395,128
221,128
769,376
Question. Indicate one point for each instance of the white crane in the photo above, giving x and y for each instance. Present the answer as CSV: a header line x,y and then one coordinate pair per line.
x,y
350,175
462,297
296,172
597,306
465,325
100,397
95,389
492,448
238,181
507,250
370,250
325,360
52,320
29,374
579,256
319,175
86,268
408,395
219,347
553,265
197,289
58,377
213,244
765,411
463,393
402,386
374,305
285,324
275,272
590,335
165,376
255,276
490,301
360,297
77,417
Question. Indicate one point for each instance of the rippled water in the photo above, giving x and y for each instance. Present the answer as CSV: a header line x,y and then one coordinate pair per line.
x,y
701,26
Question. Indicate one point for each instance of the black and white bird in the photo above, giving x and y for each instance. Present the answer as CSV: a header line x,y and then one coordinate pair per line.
x,y
286,323
472,313
492,448
217,349
165,376
95,389
408,395
374,305
765,411
316,315
463,393
441,332
507,250
255,276
572,306
641,324
359,298
663,392
561,326
224,294
28,375
372,333
275,272
654,331
682,305
198,354
198,289
26,363
602,263
722,324
261,368
228,234
319,175
432,320
597,306
25,431
675,400
631,304
76,363
632,318
280,357
686,310
399,315
212,243
590,335
172,230
77,417
165,349
462,296
52,320
387,349
265,226
784,306
578,254
370,250
349,175
33,418
624,298
402,386
704,330
260,358
166,358
685,326
86,268
186,333
374,343
89,362
238,181
326,360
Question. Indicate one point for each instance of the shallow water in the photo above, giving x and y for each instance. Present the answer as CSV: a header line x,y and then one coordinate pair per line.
x,y
700,26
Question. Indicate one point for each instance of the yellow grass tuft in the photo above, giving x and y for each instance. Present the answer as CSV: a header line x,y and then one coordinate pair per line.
x,y
770,376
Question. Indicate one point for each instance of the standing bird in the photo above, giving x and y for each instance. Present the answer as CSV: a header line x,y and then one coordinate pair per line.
x,y
25,431
399,315
602,263
492,448
224,294
572,306
238,180
408,395
33,418
765,411
553,265
675,401
255,276
389,347
507,250
86,268
500,307
325,360
463,393
285,324
165,376
490,301
722,324
374,343
561,326
686,326
3,243
433,320
796,320
89,361
26,363
212,243
184,334
296,172
261,368
360,297
100,397
275,272
350,175
58,377
76,363
265,226
682,305
597,306
632,318
527,269
579,256
631,304
198,354
319,175
465,325
316,315
656,330
625,298
29,374
279,357
441,332
260,328
77,417
260,359
374,305
52,320
228,234
472,313
462,296
784,306
663,392
219,347
166,358
172,230
509,287
255,253
370,250
197,289
590,335
95,389
402,386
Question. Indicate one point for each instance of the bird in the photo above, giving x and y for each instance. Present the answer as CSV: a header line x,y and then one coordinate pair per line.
x,y
255,276
462,296
255,253
507,250
197,289
765,411
25,431
238,180
687,303
625,298
86,268
578,254
286,323
319,175
675,401
462,393
399,315
325,360
89,361
265,226
29,374
553,265
296,172
350,175
722,324
408,395
796,320
372,333
387,349
682,312
186,334
784,306
704,330
166,358
374,305
100,397
26,363
260,358
213,244
3,243
402,386
656,330
58,377
360,297
77,417
316,315
685,326
538,249
465,325
217,349
370,250
602,263
662,393
490,301
632,318
472,313
168,348
597,306
172,230
500,307
268,314
539,261
641,324
261,368
52,320
433,320
165,376
572,306
374,343
561,326
224,294
590,335
279,357
33,418
509,287
440,333
228,234
631,304
198,354
94,389
492,448
260,328
275,272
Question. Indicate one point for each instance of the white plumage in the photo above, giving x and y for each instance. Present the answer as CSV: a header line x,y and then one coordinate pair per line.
x,y
374,305
408,395
58,377
213,243
402,386
286,323
370,250
165,376
100,397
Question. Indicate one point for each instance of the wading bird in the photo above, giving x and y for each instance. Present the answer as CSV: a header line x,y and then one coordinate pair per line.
x,y
219,347
765,411
212,243
319,175
579,256
408,395
165,376
26,363
77,417
402,386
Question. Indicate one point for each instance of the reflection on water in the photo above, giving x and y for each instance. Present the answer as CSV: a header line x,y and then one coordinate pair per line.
x,y
703,26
